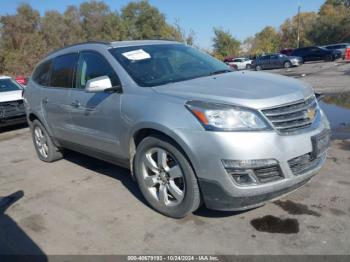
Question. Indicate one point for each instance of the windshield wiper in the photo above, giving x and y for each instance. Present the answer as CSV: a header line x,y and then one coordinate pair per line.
x,y
219,72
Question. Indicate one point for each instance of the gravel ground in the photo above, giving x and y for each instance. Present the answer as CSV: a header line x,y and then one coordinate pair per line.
x,y
325,77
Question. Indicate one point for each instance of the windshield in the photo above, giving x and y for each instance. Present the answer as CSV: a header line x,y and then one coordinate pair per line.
x,y
8,84
153,65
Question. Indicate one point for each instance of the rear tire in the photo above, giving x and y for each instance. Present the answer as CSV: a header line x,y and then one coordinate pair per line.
x,y
165,177
258,68
248,66
44,147
329,58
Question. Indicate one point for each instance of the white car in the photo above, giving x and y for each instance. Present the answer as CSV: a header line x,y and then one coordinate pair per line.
x,y
241,63
11,102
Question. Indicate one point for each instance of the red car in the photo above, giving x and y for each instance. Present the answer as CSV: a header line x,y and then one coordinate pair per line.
x,y
228,59
22,80
287,51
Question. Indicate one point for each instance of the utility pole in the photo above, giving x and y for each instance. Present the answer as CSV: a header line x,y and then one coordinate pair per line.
x,y
299,7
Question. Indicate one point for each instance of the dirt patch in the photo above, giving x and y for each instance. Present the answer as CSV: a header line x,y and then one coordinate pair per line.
x,y
295,208
337,212
148,236
334,199
344,183
15,161
312,227
271,224
9,136
34,222
345,145
319,206
191,218
334,159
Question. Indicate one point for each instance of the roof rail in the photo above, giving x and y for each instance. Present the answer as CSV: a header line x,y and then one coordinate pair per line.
x,y
82,43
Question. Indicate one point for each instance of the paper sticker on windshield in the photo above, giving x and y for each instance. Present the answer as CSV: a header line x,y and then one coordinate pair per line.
x,y
137,55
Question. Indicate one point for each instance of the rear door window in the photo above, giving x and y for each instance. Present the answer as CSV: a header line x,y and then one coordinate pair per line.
x,y
63,70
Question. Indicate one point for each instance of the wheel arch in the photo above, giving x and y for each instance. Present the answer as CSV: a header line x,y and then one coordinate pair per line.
x,y
142,132
32,117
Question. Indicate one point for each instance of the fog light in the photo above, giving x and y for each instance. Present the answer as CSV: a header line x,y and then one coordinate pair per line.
x,y
247,172
249,163
242,176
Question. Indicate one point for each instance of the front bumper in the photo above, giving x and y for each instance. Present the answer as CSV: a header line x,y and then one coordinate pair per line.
x,y
219,190
9,121
296,62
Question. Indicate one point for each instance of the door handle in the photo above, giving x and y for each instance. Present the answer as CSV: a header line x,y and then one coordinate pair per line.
x,y
75,104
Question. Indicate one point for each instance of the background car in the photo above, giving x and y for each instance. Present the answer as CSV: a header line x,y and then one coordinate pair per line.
x,y
287,51
241,63
316,53
228,59
276,61
340,47
11,102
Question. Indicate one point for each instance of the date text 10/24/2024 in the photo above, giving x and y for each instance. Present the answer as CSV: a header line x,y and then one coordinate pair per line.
x,y
173,258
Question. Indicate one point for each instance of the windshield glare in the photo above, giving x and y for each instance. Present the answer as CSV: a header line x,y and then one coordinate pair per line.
x,y
8,84
153,65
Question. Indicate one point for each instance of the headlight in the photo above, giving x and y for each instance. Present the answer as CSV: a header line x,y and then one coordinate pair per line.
x,y
220,117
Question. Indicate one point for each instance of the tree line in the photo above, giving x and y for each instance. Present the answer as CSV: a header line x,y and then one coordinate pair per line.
x,y
26,36
330,25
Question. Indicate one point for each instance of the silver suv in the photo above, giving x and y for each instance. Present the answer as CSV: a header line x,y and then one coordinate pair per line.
x,y
190,130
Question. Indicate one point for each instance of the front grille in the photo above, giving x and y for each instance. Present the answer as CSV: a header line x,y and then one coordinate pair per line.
x,y
302,164
293,117
268,174
11,109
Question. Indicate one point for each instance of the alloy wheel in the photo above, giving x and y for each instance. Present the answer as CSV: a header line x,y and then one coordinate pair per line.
x,y
41,142
163,177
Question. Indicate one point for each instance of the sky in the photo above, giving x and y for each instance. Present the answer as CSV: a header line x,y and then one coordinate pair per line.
x,y
243,18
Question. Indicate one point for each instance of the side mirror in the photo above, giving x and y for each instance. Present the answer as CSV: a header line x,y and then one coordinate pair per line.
x,y
99,84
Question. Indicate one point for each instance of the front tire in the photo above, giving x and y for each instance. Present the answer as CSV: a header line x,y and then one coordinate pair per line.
x,y
258,68
287,64
248,66
44,147
165,177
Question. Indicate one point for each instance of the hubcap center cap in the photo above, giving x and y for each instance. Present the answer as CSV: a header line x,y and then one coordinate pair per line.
x,y
163,177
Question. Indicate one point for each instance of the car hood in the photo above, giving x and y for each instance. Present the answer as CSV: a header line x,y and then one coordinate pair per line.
x,y
11,96
250,89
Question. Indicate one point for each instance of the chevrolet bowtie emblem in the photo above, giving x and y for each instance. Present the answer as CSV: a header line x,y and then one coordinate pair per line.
x,y
311,113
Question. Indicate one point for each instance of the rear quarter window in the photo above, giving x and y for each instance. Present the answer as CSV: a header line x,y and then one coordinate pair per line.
x,y
63,71
42,73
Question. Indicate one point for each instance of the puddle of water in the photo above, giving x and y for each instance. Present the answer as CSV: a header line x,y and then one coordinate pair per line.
x,y
271,224
337,109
